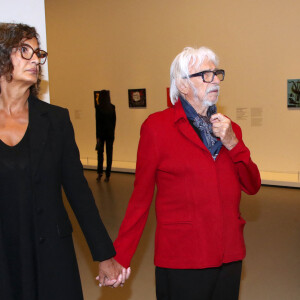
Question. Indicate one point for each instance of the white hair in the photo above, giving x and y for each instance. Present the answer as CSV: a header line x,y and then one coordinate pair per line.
x,y
180,66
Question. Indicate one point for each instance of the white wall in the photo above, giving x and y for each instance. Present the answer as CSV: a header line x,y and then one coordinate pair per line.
x,y
31,12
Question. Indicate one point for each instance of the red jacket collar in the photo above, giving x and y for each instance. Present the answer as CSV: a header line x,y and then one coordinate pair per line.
x,y
183,125
179,112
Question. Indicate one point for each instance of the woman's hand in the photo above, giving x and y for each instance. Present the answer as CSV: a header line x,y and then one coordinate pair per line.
x,y
111,273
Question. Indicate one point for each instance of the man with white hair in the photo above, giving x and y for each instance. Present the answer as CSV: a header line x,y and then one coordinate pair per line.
x,y
198,161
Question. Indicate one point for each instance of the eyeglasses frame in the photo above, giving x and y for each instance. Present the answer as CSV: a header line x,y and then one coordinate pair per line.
x,y
215,73
37,52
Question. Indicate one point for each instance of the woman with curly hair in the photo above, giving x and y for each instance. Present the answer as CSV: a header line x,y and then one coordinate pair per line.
x,y
38,156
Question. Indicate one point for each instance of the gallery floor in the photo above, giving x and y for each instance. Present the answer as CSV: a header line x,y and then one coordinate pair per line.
x,y
271,270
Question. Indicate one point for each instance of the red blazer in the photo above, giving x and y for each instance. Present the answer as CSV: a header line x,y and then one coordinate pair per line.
x,y
197,203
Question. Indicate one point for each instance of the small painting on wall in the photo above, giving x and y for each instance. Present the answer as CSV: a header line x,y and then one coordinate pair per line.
x,y
137,98
293,93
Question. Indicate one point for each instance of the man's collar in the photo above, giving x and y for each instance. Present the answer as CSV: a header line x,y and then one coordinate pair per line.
x,y
188,108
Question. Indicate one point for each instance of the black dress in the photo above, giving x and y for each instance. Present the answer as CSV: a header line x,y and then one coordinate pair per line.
x,y
18,256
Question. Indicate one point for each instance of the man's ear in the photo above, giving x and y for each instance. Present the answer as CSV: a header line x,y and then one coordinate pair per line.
x,y
183,86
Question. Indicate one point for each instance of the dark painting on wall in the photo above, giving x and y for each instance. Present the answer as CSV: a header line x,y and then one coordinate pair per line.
x,y
293,93
137,98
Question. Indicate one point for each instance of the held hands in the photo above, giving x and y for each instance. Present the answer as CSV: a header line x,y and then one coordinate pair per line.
x,y
222,128
111,273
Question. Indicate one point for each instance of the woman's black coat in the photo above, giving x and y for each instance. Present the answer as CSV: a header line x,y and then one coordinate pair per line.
x,y
55,163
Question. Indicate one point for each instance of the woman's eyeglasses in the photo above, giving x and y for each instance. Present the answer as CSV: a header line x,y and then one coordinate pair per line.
x,y
27,52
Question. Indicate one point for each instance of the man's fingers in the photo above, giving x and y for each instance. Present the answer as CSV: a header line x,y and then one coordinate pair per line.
x,y
118,281
216,117
123,275
128,272
217,124
109,282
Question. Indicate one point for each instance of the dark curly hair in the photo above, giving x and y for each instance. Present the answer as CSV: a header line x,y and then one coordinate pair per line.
x,y
11,36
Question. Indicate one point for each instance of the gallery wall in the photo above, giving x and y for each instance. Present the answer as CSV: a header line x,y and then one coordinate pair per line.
x,y
31,12
120,45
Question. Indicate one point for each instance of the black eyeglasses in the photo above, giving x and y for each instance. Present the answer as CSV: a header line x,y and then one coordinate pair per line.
x,y
27,53
208,75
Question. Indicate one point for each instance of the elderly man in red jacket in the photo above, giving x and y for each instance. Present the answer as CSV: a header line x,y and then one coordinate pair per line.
x,y
197,159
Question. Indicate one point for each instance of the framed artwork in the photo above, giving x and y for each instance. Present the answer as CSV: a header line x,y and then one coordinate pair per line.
x,y
293,93
137,98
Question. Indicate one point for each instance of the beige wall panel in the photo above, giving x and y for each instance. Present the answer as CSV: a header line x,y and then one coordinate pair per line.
x,y
117,45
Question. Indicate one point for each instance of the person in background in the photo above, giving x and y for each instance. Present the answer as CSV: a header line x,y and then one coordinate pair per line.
x,y
105,132
199,163
38,156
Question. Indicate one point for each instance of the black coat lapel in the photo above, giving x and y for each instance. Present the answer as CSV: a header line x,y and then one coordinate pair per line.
x,y
39,127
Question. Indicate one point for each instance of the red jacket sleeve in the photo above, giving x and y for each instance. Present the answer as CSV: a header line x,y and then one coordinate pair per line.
x,y
139,204
246,169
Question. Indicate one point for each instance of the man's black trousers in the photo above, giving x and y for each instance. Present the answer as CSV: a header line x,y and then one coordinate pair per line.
x,y
220,283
